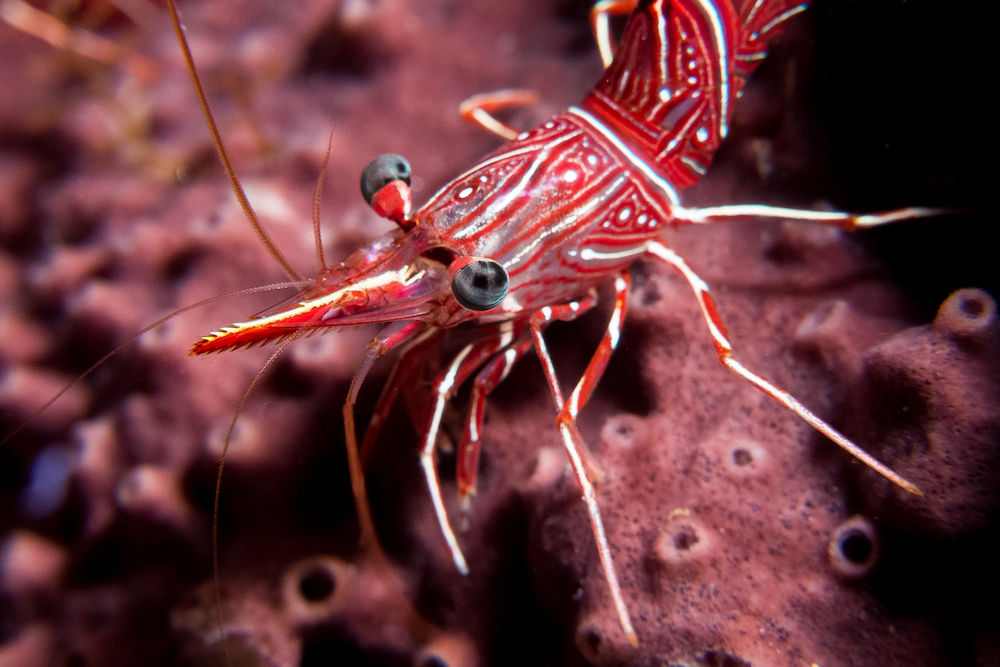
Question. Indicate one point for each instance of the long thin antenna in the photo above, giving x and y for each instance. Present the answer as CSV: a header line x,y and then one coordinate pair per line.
x,y
216,571
317,196
30,419
234,182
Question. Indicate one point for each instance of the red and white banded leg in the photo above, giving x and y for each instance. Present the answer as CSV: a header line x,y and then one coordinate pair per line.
x,y
479,109
725,351
469,358
601,27
390,338
846,221
574,444
539,320
488,378
404,374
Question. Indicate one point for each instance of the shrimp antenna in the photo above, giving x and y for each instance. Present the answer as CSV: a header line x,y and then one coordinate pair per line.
x,y
216,570
317,196
234,182
134,337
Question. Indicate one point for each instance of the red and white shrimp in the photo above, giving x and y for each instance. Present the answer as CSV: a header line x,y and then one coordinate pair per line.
x,y
527,235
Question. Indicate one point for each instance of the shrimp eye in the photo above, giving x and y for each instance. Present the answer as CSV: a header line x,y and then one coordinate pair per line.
x,y
382,171
481,284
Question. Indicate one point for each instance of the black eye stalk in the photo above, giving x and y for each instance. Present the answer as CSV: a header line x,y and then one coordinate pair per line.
x,y
479,283
385,185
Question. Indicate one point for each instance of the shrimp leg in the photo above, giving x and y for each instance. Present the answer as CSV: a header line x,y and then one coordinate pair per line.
x,y
726,357
573,442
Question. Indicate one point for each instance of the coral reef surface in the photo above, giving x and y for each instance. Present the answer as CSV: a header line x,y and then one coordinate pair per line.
x,y
741,535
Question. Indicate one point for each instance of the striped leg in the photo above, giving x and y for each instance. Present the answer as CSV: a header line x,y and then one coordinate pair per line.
x,y
846,221
404,374
471,357
539,320
388,339
725,352
574,445
479,109
488,378
599,15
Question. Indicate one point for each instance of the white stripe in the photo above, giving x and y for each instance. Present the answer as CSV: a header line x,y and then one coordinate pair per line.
x,y
502,202
565,223
427,462
473,428
661,183
615,328
723,62
506,333
588,254
403,276
753,12
759,210
661,29
430,475
694,166
449,379
781,18
509,357
503,157
442,392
